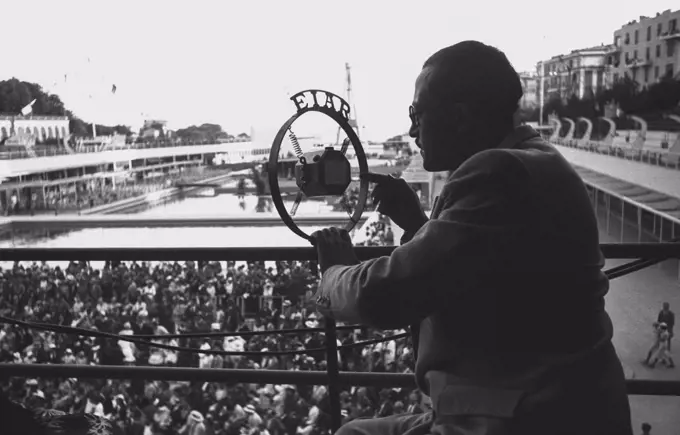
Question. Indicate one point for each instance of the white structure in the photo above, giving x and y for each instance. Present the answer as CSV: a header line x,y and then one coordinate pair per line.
x,y
581,72
42,127
530,86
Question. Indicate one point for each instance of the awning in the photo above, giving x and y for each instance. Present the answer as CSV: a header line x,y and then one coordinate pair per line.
x,y
655,202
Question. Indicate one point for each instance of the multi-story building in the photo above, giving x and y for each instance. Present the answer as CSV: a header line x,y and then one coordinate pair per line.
x,y
530,86
647,49
581,73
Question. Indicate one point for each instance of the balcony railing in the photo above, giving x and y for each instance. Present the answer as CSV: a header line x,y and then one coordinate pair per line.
x,y
670,35
645,254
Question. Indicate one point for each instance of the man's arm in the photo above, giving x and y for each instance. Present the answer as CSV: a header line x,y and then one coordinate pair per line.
x,y
481,214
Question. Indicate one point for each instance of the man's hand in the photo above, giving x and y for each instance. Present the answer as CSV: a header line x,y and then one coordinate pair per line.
x,y
397,201
334,247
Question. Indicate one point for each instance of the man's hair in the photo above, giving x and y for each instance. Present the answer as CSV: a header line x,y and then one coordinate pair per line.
x,y
476,74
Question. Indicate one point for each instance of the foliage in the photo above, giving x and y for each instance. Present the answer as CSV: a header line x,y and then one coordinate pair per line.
x,y
205,132
627,94
16,94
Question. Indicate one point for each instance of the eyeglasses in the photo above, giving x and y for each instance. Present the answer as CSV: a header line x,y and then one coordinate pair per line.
x,y
414,115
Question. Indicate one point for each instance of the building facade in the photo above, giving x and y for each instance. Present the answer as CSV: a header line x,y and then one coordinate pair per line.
x,y
41,127
647,49
530,85
581,73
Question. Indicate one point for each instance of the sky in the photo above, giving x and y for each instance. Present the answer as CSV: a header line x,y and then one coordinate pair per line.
x,y
235,63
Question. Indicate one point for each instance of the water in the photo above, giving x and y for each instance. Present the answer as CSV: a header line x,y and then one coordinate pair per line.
x,y
218,206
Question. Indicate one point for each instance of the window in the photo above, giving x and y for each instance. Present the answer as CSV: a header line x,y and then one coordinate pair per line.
x,y
673,25
635,56
637,37
659,29
627,39
646,75
649,33
669,50
669,70
648,53
656,72
658,51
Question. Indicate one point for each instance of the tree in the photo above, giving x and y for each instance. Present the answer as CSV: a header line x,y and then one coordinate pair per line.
x,y
665,95
15,95
203,133
650,101
625,92
553,105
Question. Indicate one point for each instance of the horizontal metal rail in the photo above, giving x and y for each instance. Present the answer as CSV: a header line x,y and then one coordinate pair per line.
x,y
383,380
613,250
177,254
135,221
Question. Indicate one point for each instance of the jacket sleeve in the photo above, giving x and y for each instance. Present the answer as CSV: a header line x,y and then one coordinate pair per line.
x,y
481,213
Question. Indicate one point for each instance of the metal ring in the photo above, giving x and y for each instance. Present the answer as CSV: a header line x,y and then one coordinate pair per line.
x,y
272,164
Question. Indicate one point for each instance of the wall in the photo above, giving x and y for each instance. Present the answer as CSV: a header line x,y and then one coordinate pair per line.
x,y
658,61
41,127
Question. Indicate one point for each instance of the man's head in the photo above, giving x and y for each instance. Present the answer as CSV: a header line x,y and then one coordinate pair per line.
x,y
465,100
666,306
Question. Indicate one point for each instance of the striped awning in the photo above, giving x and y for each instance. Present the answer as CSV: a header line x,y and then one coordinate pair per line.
x,y
654,201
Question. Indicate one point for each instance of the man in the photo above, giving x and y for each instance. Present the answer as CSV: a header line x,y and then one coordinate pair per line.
x,y
668,317
503,284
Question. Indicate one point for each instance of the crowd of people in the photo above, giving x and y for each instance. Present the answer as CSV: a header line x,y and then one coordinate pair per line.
x,y
86,195
173,298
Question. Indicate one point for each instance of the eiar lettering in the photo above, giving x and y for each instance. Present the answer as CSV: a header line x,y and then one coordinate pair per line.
x,y
313,100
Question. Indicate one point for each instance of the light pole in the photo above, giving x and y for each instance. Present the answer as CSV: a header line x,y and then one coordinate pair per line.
x,y
541,89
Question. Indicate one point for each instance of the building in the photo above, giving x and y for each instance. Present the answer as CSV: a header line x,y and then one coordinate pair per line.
x,y
581,72
530,85
647,49
154,128
40,127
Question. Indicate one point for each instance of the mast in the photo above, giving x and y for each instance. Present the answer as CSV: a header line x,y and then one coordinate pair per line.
x,y
348,97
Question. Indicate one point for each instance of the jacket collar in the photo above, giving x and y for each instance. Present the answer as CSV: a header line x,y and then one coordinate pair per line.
x,y
517,136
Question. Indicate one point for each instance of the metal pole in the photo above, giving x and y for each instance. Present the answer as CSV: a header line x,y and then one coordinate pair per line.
x,y
660,264
333,374
623,213
541,90
639,219
608,200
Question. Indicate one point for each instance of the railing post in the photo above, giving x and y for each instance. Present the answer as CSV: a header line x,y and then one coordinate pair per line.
x,y
333,367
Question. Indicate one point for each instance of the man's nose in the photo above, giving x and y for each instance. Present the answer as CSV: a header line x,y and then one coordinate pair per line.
x,y
413,131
